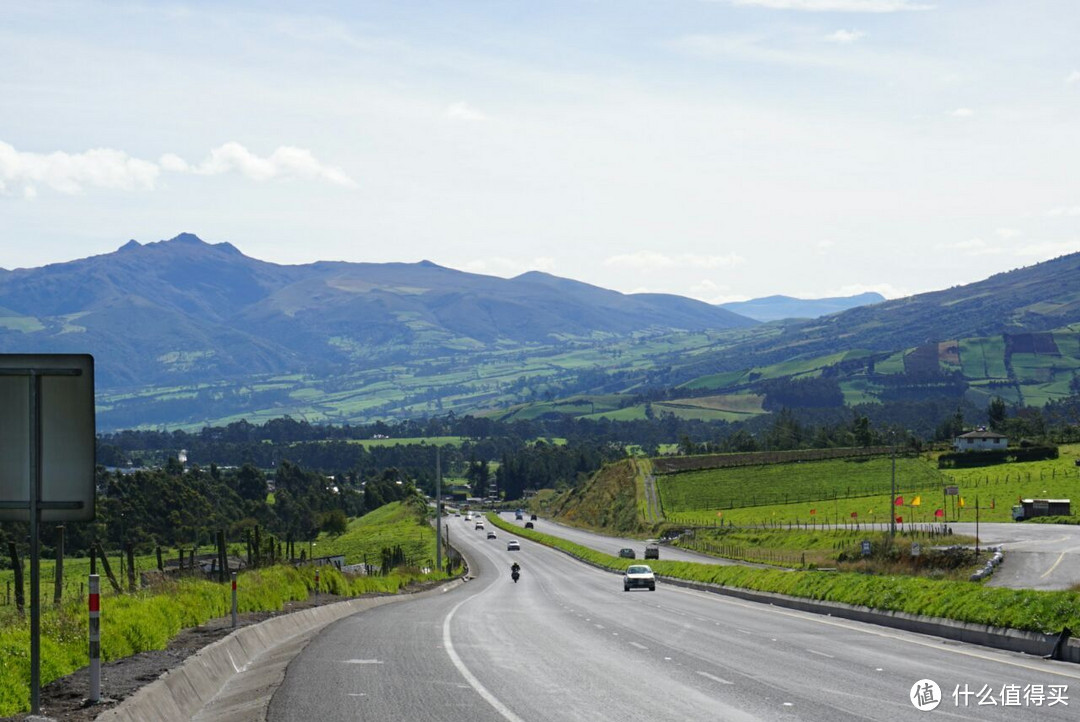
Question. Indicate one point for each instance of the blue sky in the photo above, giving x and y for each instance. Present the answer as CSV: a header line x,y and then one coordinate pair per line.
x,y
719,149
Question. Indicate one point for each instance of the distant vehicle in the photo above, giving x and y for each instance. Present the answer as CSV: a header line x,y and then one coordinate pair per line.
x,y
627,553
528,525
491,535
513,545
479,525
518,514
652,551
533,517
638,576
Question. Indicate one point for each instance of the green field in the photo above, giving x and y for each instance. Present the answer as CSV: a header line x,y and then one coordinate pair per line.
x,y
770,484
395,524
850,493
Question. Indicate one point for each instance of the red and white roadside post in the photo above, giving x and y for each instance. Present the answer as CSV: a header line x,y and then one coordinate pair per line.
x,y
234,600
95,638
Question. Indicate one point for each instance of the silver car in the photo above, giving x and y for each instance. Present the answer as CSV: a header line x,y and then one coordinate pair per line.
x,y
639,576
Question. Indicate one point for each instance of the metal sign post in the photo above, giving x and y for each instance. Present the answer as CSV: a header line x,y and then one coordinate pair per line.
x,y
46,458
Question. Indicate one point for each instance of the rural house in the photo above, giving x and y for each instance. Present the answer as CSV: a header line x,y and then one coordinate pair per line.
x,y
980,440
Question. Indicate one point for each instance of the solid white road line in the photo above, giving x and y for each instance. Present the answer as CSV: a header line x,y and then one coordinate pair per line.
x,y
481,690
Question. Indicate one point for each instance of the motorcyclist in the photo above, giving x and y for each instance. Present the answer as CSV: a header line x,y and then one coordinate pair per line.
x,y
515,570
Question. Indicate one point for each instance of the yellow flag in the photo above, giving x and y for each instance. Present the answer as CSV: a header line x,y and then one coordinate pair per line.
x,y
917,501
961,502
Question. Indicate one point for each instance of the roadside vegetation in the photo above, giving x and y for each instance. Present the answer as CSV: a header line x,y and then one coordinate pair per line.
x,y
148,618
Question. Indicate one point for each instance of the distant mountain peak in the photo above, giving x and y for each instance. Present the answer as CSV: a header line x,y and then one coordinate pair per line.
x,y
187,238
130,246
774,308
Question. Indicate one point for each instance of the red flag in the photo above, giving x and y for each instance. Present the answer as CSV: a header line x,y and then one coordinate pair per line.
x,y
813,511
899,501
854,514
939,512
899,520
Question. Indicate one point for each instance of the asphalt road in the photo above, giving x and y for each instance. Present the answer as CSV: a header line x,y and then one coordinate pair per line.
x,y
1037,556
566,643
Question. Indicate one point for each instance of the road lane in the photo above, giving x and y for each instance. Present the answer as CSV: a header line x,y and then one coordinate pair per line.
x,y
566,643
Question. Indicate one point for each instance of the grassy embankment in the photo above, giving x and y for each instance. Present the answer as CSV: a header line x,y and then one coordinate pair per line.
x,y
850,492
1023,609
149,618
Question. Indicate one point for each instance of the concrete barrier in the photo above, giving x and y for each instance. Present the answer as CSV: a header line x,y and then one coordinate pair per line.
x,y
181,693
1014,640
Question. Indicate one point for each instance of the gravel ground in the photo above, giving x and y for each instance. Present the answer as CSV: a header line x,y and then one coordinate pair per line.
x,y
65,698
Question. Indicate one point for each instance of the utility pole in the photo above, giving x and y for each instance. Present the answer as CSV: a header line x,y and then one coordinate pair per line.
x,y
892,499
438,510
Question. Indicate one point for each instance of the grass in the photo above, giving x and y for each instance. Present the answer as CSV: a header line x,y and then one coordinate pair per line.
x,y
392,525
1023,609
852,492
149,618
807,548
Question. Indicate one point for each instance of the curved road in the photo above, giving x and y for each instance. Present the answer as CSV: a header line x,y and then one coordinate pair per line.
x,y
566,643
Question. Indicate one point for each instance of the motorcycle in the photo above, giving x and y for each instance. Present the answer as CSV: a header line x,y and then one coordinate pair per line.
x,y
515,575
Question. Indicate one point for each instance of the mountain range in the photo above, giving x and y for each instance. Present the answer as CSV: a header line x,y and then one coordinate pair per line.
x,y
183,311
185,333
776,308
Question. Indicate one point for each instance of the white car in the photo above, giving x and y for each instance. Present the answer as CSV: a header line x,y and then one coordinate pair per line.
x,y
513,545
639,575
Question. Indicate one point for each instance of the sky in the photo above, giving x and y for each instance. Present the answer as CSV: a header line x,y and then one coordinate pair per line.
x,y
716,149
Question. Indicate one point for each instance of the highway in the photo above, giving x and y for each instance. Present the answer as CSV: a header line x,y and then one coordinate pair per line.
x,y
1037,556
566,643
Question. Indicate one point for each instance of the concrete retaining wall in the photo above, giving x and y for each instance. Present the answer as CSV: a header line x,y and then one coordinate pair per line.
x,y
181,692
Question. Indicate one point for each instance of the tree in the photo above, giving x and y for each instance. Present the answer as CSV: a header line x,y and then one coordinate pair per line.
x,y
997,414
334,522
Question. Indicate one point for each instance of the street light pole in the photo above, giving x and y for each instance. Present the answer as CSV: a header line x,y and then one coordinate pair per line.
x,y
438,511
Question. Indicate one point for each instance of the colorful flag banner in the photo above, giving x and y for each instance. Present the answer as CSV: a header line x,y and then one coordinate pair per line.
x,y
962,502
917,501
899,520
899,501
939,512
854,515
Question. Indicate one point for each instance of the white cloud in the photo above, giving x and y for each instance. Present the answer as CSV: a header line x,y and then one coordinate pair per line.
x,y
72,172
173,163
962,113
823,247
652,260
845,37
1063,211
1007,233
1073,77
1047,249
115,169
845,6
974,247
463,111
284,162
